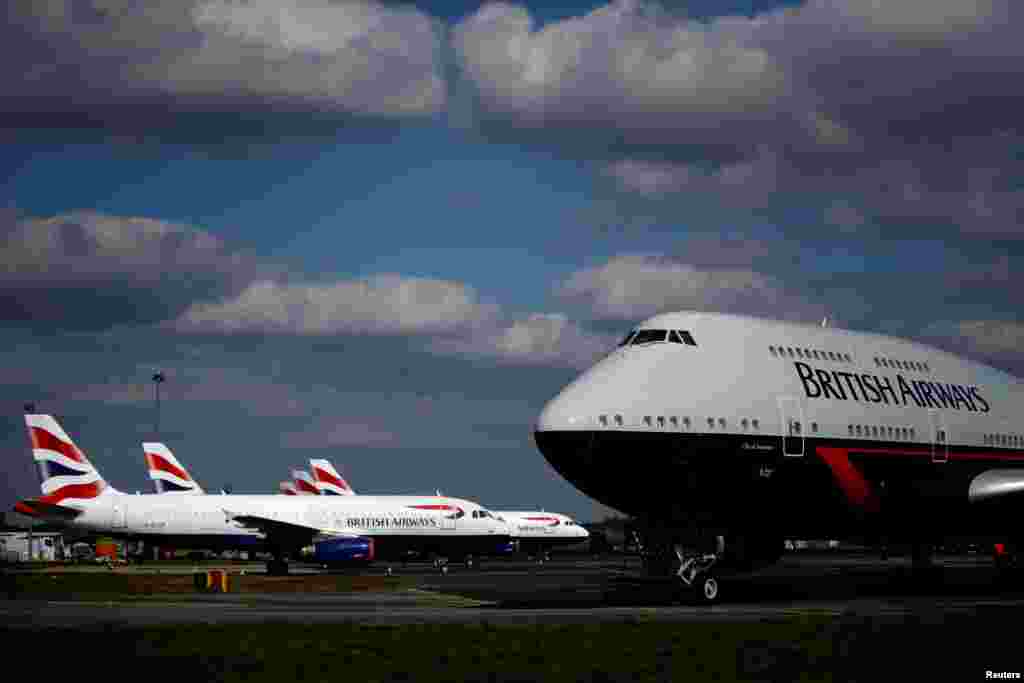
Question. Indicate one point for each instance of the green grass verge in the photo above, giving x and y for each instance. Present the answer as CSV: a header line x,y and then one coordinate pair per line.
x,y
808,648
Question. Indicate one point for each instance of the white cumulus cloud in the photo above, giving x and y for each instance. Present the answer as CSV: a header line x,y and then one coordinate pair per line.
x,y
384,304
635,286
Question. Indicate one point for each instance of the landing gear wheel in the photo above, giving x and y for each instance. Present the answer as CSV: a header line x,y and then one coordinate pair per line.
x,y
706,590
469,562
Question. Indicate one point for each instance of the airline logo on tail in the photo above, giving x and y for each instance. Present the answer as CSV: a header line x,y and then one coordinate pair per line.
x,y
304,484
168,475
66,474
287,488
327,480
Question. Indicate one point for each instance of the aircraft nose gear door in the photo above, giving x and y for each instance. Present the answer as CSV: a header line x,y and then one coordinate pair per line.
x,y
940,437
792,416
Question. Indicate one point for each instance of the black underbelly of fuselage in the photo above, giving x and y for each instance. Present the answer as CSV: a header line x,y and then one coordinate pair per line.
x,y
835,488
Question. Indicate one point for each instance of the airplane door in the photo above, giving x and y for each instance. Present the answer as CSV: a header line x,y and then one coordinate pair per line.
x,y
118,519
940,437
792,423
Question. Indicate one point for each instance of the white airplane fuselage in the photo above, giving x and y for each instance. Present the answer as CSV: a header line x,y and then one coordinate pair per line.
x,y
757,427
209,521
539,530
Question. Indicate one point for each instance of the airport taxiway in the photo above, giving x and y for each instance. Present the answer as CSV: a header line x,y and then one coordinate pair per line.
x,y
565,590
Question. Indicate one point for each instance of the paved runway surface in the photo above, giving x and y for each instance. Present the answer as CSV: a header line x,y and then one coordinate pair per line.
x,y
569,590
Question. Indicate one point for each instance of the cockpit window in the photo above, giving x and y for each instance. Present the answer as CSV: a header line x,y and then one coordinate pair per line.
x,y
674,337
687,338
628,337
648,337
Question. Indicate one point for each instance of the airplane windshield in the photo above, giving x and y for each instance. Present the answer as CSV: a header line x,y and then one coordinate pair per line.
x,y
648,337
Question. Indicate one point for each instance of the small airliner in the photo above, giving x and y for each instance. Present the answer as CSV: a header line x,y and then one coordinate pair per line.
x,y
538,532
535,533
741,432
341,529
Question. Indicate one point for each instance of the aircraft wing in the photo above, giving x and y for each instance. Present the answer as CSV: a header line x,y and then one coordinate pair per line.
x,y
37,508
283,533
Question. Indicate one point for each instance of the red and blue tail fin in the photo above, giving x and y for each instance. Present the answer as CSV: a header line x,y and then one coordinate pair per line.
x,y
66,475
167,473
327,479
304,484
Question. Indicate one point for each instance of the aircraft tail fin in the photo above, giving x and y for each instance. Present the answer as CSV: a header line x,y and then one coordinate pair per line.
x,y
327,479
65,474
167,473
304,484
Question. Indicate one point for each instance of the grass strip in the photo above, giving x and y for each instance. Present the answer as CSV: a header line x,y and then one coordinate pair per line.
x,y
849,647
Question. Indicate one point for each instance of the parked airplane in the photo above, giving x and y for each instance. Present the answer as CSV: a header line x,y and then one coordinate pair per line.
x,y
340,528
167,473
741,432
536,533
327,480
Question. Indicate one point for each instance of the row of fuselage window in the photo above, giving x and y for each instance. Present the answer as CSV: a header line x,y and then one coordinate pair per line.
x,y
899,433
911,365
795,426
674,422
886,432
809,354
1010,440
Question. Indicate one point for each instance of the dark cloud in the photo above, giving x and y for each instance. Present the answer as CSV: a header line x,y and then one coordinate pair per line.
x,y
207,69
91,271
905,113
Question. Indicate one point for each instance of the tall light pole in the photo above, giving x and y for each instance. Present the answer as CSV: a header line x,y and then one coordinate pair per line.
x,y
158,377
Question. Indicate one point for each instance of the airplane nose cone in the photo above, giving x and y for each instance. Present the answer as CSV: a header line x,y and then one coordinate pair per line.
x,y
560,414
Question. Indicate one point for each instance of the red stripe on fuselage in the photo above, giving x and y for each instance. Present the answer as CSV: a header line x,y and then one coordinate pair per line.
x,y
849,478
1011,457
50,442
157,462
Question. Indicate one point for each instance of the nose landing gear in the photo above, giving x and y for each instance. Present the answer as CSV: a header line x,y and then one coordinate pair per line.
x,y
695,572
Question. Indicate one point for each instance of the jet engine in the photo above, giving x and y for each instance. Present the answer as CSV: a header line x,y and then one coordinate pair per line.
x,y
344,550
